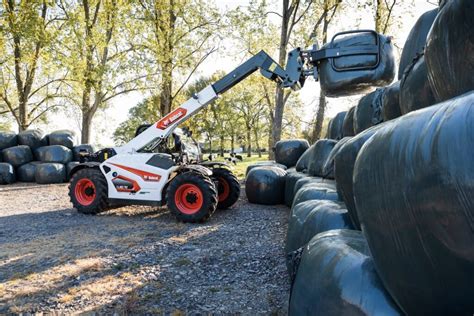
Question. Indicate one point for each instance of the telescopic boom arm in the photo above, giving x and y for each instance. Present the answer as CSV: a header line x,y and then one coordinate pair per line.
x,y
292,77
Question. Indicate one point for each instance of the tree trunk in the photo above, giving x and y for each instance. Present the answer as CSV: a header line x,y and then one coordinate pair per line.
x,y
256,143
379,16
318,124
249,142
221,145
279,93
166,88
232,143
86,127
210,144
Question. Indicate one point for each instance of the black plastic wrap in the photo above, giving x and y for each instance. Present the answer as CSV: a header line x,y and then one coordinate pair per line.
x,y
265,185
7,173
335,126
313,217
303,162
32,138
290,181
321,151
287,152
64,138
416,40
47,173
328,169
350,82
391,102
450,50
344,168
348,124
314,191
17,156
336,276
331,184
415,90
368,111
70,166
413,187
26,172
269,163
77,149
8,139
54,153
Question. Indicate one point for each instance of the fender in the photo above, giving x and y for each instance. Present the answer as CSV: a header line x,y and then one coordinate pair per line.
x,y
198,168
90,164
213,164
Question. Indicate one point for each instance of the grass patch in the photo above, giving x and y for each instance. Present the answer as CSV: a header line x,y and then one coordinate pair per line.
x,y
239,169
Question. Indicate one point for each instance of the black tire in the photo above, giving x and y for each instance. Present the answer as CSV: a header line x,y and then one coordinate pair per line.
x,y
88,191
228,187
192,197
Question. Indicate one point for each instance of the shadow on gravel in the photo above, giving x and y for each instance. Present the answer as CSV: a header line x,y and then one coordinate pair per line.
x,y
140,260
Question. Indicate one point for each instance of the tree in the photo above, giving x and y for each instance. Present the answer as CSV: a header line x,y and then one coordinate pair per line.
x,y
29,78
383,15
97,55
177,36
330,7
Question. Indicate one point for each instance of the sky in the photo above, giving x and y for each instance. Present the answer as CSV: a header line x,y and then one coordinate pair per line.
x,y
106,121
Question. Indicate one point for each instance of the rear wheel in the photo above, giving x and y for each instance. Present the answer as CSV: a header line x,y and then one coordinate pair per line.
x,y
192,197
228,187
88,191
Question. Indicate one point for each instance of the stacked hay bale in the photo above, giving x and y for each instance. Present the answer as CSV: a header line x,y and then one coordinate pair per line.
x,y
406,184
31,156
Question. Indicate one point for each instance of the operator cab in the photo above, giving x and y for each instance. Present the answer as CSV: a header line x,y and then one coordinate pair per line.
x,y
178,143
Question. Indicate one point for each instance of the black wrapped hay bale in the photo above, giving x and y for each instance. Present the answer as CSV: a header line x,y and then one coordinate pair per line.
x,y
348,124
337,83
416,40
321,151
415,90
413,189
315,191
391,102
335,126
26,172
336,276
54,153
70,166
84,147
7,173
290,181
368,111
47,173
313,217
303,161
64,138
449,50
287,152
330,184
328,168
264,164
32,138
8,139
265,185
344,169
17,156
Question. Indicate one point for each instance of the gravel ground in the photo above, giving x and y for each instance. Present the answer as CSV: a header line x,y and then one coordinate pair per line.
x,y
137,260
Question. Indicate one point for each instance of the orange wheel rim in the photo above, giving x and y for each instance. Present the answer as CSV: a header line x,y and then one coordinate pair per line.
x,y
188,198
85,192
224,189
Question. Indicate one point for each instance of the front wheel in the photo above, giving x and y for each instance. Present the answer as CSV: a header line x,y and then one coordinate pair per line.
x,y
88,191
192,197
228,187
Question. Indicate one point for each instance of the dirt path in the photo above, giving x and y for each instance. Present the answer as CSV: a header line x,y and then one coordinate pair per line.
x,y
137,259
